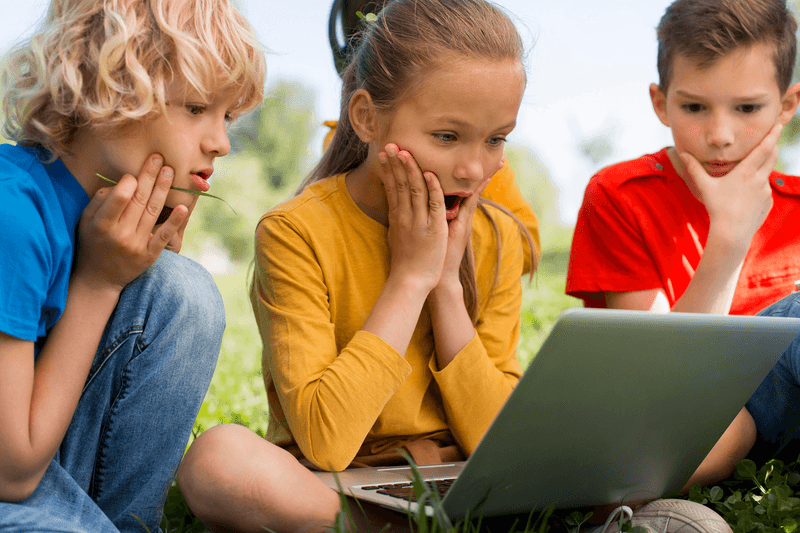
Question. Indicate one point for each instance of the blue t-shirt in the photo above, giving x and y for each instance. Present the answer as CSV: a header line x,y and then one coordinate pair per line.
x,y
40,206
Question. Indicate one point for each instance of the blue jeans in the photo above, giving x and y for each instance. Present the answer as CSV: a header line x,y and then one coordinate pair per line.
x,y
129,431
775,406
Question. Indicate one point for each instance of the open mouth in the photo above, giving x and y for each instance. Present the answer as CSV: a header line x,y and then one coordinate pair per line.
x,y
451,200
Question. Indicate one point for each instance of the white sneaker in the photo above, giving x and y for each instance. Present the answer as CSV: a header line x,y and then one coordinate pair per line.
x,y
669,516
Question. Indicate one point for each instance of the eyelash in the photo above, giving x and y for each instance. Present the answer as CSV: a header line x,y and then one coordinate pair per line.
x,y
449,137
697,108
197,109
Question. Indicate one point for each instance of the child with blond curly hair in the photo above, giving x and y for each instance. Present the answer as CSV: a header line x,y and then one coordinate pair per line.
x,y
107,340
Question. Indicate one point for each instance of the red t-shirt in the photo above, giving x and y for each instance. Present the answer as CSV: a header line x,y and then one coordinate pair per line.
x,y
641,228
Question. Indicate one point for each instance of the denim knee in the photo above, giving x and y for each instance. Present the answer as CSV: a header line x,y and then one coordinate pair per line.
x,y
178,291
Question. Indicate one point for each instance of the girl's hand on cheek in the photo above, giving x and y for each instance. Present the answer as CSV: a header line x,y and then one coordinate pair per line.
x,y
418,232
459,231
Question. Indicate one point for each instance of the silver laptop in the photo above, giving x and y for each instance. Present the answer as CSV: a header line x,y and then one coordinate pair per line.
x,y
616,406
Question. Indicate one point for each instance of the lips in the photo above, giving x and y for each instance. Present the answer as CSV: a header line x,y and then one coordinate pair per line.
x,y
718,169
200,179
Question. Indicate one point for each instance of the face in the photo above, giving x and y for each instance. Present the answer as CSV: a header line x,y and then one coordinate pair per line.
x,y
456,122
190,135
720,113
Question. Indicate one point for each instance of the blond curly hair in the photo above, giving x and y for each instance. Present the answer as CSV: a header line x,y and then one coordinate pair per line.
x,y
106,64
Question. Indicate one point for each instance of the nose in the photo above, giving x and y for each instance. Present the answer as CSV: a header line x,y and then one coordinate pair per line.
x,y
469,165
215,141
720,132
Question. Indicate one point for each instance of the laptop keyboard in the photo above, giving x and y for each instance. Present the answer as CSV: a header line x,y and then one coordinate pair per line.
x,y
405,490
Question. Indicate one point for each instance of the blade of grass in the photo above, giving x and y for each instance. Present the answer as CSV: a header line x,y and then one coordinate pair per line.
x,y
190,191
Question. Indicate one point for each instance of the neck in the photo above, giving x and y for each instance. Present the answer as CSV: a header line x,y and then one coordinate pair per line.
x,y
83,162
365,187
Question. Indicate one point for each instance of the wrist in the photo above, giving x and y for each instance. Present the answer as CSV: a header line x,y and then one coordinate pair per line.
x,y
449,290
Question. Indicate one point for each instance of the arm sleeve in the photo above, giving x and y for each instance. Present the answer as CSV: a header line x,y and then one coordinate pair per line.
x,y
609,252
504,191
477,382
25,267
330,398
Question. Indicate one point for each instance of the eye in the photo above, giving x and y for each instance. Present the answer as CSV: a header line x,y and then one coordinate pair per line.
x,y
496,142
749,108
693,108
444,137
195,109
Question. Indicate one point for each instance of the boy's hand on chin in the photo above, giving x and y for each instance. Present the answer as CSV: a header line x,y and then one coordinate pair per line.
x,y
738,202
176,241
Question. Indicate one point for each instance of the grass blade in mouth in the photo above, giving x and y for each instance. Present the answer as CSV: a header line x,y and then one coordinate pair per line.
x,y
190,191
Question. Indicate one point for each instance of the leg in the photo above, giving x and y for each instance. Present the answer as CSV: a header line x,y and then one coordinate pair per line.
x,y
150,375
57,505
233,479
775,406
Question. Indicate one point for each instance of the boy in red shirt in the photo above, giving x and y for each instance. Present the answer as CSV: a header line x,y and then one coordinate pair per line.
x,y
707,225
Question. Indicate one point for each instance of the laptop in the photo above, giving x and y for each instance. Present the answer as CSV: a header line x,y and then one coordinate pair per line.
x,y
616,406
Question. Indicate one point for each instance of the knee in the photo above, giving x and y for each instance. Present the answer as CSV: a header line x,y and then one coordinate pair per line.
x,y
209,470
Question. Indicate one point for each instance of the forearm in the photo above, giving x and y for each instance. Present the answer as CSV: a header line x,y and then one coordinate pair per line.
x,y
714,282
331,411
395,314
731,448
62,367
452,326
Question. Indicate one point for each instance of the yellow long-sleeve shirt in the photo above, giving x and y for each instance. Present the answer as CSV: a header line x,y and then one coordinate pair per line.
x,y
321,264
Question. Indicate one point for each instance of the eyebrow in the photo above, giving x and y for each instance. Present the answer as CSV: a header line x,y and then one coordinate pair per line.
x,y
748,98
462,124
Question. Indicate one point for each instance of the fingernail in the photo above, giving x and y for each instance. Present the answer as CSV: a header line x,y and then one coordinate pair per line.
x,y
382,158
166,172
391,150
158,160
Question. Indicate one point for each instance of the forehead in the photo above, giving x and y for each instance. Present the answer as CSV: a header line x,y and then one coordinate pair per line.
x,y
469,90
744,70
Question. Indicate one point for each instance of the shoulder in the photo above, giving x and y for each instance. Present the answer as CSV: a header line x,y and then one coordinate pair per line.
x,y
785,184
615,176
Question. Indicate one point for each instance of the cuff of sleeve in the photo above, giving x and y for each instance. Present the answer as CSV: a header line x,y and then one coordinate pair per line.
x,y
462,364
394,363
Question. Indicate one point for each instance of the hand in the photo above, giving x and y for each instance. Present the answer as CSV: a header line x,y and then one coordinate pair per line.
x,y
418,232
117,241
739,202
459,230
175,243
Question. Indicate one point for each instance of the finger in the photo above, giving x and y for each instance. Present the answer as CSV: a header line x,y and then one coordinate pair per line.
x,y
469,205
144,187
694,168
163,235
176,241
155,202
765,155
398,171
436,208
387,178
417,187
115,201
94,204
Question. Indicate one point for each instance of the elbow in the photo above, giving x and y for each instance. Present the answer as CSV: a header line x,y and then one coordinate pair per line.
x,y
329,460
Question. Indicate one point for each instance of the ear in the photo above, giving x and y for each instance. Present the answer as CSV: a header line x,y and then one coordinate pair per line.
x,y
789,104
659,100
363,116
